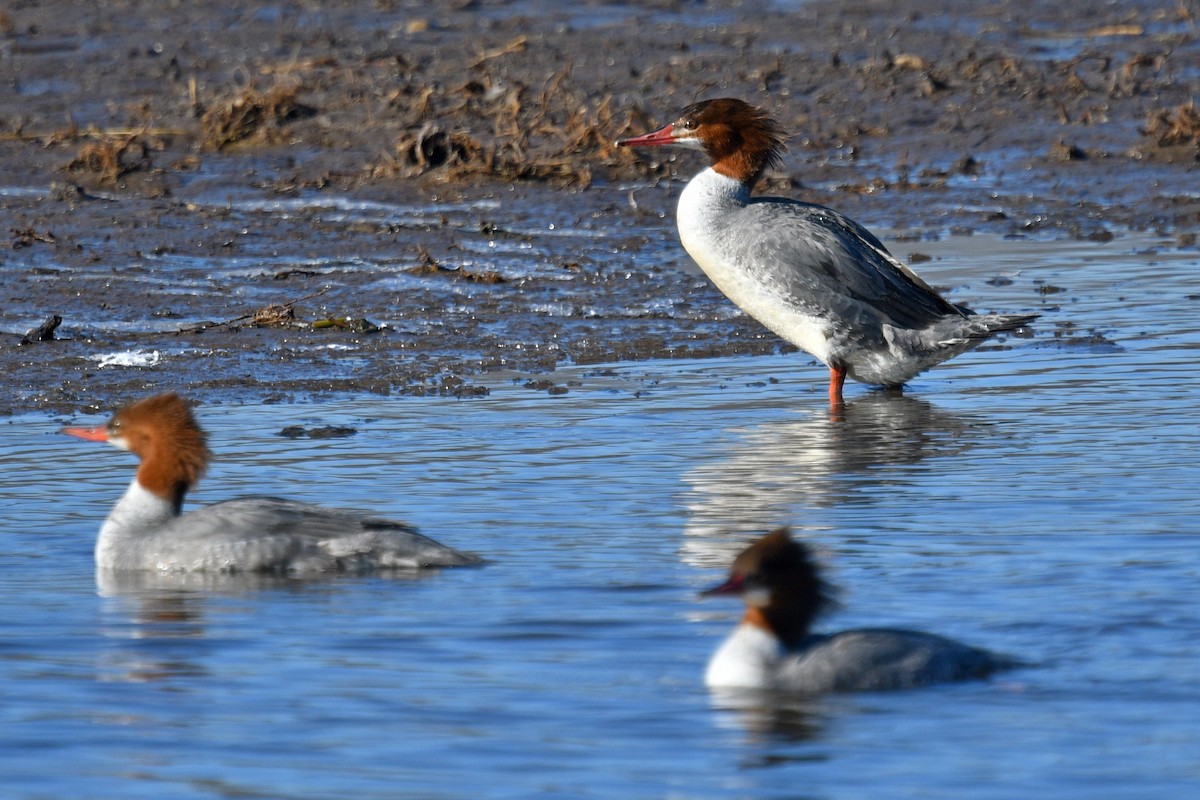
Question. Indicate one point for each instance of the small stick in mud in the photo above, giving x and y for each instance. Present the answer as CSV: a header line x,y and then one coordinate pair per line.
x,y
273,310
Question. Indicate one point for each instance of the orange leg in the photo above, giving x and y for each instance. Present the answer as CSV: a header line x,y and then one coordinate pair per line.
x,y
837,379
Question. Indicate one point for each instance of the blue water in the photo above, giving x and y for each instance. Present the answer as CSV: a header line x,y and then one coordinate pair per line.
x,y
1039,500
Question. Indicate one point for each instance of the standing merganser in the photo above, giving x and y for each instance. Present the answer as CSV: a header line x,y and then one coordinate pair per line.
x,y
812,275
146,531
773,649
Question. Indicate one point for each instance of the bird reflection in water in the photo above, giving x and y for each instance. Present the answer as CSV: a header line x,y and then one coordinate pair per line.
x,y
763,474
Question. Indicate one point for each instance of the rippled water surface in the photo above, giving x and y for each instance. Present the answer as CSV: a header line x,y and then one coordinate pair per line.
x,y
1039,499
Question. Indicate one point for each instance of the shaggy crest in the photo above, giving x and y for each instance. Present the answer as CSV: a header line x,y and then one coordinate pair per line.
x,y
784,568
741,140
162,432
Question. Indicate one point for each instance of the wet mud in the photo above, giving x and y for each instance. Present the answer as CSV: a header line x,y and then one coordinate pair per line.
x,y
254,201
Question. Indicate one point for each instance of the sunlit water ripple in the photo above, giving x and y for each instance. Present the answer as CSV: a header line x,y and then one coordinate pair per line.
x,y
1039,500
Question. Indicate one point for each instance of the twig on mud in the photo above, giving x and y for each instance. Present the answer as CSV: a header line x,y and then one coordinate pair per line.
x,y
517,45
204,326
28,237
550,91
90,133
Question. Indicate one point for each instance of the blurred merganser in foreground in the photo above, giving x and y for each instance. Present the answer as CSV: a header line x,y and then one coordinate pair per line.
x,y
812,275
773,649
146,531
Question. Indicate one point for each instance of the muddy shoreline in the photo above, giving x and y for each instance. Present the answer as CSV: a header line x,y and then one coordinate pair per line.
x,y
238,187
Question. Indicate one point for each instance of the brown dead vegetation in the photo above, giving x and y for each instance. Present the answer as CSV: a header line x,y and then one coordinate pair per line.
x,y
431,148
274,315
431,266
1169,127
502,129
110,156
27,237
253,116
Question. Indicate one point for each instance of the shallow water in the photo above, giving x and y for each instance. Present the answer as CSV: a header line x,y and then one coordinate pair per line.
x,y
1037,499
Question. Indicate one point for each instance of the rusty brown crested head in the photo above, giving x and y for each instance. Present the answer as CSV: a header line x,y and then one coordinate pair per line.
x,y
740,139
781,584
162,432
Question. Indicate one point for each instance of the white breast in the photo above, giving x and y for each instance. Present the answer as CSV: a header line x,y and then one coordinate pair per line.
x,y
139,512
710,236
748,659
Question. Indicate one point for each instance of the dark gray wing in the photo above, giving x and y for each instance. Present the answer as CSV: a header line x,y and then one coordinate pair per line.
x,y
824,261
879,659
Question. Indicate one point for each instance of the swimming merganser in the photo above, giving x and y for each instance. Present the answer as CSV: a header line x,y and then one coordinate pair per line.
x,y
773,649
146,531
812,275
